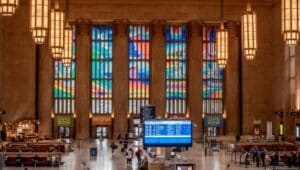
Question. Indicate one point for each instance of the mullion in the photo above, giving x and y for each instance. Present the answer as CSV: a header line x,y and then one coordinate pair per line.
x,y
102,66
138,94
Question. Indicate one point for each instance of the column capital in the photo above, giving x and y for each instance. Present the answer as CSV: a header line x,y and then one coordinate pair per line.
x,y
233,28
120,26
194,28
83,27
158,26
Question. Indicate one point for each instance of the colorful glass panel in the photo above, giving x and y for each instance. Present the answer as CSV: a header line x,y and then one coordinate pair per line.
x,y
139,67
212,83
64,85
101,69
176,69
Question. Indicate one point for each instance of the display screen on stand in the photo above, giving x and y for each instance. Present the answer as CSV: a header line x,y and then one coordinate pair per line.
x,y
167,133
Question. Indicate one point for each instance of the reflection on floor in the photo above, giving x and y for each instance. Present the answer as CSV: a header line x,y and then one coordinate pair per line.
x,y
106,161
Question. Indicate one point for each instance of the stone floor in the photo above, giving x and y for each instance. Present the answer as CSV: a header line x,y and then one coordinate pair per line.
x,y
106,161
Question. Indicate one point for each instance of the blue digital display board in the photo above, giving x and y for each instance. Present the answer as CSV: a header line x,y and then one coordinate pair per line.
x,y
167,133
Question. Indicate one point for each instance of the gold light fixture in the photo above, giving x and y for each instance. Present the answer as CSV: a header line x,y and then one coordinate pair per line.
x,y
222,46
39,20
68,40
290,25
57,21
8,7
249,34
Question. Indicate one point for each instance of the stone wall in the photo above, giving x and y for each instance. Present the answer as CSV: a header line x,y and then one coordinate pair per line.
x,y
261,79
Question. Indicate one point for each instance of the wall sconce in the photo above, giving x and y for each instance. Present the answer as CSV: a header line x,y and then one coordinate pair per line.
x,y
91,115
74,115
128,115
280,113
295,113
112,115
52,115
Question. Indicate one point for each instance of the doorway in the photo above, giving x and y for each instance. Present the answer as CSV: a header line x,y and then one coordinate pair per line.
x,y
212,131
298,131
101,131
137,131
64,132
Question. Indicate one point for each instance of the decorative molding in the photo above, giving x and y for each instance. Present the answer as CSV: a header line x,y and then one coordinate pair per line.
x,y
234,28
194,28
120,26
158,26
83,27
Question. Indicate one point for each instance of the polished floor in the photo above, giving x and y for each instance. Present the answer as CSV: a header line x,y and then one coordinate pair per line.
x,y
106,161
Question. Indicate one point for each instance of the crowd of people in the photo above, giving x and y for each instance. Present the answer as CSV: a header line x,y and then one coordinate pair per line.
x,y
259,155
130,152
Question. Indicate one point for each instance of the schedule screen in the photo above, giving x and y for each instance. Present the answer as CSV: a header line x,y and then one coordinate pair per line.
x,y
169,133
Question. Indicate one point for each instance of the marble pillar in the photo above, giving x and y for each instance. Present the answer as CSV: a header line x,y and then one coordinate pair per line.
x,y
194,99
120,76
45,90
158,53
83,78
231,82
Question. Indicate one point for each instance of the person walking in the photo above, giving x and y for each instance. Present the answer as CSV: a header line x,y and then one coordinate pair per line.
x,y
129,155
139,154
113,146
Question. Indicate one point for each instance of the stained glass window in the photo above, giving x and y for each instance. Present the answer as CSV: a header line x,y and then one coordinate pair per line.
x,y
212,92
176,69
139,67
64,85
101,65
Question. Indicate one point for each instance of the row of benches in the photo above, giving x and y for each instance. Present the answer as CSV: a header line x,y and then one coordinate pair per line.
x,y
27,159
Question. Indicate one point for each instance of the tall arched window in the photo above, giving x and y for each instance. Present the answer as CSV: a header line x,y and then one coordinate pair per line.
x,y
64,85
102,69
139,67
176,69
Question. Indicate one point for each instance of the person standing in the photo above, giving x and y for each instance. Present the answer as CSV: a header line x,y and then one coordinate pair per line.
x,y
263,156
254,152
247,157
18,160
120,138
257,158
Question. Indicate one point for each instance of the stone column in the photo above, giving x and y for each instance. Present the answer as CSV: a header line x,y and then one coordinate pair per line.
x,y
83,78
231,82
158,53
194,100
120,77
290,94
45,90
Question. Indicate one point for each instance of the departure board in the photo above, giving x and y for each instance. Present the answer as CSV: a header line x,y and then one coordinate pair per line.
x,y
169,133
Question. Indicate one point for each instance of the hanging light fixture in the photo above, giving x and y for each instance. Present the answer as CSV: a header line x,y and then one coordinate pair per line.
x,y
222,46
249,34
68,40
39,20
222,42
57,22
8,7
290,21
